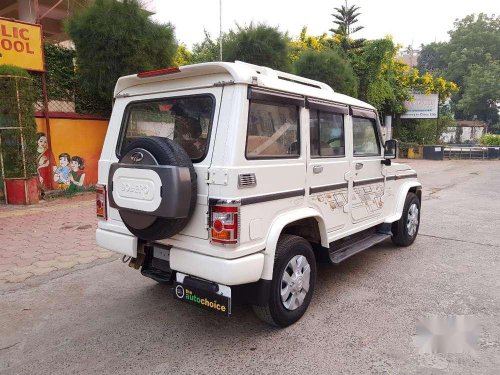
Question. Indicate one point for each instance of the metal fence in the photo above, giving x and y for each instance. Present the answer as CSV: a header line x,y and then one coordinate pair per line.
x,y
470,152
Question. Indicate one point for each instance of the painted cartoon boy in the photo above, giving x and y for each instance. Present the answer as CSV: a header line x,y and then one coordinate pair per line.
x,y
77,175
61,173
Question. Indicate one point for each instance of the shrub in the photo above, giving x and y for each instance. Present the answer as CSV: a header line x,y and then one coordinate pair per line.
x,y
261,45
330,67
490,139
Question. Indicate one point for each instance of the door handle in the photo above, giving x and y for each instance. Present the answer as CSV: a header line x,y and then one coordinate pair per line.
x,y
317,169
359,166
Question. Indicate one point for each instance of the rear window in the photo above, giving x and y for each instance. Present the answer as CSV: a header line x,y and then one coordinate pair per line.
x,y
186,120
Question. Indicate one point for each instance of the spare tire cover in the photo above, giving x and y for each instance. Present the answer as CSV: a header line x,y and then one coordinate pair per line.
x,y
157,151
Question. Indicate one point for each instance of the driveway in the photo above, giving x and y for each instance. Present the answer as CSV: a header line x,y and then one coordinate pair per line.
x,y
104,318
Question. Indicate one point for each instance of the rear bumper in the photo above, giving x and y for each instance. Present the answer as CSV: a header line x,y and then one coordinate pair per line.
x,y
118,242
238,271
243,270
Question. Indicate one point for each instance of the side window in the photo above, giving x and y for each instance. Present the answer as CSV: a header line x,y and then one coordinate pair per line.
x,y
365,139
326,134
273,131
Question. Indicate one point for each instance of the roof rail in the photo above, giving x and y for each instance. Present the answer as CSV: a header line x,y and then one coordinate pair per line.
x,y
286,76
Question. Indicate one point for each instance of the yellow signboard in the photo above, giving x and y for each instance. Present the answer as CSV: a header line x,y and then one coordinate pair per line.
x,y
21,45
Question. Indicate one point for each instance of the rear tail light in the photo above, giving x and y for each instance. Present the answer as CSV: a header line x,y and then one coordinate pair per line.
x,y
159,72
224,224
101,209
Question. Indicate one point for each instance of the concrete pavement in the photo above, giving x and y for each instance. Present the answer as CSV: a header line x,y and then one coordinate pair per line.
x,y
108,319
49,237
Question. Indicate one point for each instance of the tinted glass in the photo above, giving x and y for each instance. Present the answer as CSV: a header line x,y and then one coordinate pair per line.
x,y
365,140
327,134
273,131
185,120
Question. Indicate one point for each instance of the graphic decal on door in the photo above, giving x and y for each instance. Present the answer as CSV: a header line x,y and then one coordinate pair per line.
x,y
367,201
335,199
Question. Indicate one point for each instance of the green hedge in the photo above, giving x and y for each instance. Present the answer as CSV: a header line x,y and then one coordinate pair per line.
x,y
490,139
17,114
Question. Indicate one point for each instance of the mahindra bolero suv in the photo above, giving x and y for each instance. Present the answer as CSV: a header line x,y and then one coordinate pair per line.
x,y
231,181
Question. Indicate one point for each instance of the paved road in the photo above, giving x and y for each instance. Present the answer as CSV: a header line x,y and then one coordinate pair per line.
x,y
107,319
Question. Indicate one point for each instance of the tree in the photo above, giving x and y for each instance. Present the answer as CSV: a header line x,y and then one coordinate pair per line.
x,y
467,59
113,39
257,44
482,92
328,66
307,42
345,17
386,82
206,51
474,40
431,58
183,56
380,76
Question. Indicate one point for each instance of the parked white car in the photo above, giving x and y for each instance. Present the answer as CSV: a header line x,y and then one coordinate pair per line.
x,y
232,180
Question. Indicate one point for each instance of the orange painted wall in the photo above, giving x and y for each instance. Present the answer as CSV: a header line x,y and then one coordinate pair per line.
x,y
77,137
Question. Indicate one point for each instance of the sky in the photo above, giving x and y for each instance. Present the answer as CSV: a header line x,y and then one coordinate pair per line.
x,y
408,22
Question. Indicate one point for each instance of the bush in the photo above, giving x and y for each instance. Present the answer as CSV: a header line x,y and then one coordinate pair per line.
x,y
490,139
114,39
330,67
17,114
423,131
261,45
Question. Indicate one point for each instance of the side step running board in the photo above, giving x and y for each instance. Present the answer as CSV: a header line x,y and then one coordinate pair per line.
x,y
346,250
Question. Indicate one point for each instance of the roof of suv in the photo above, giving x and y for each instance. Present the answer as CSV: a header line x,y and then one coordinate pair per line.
x,y
245,73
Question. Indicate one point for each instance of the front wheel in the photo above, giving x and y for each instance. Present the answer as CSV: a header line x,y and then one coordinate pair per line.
x,y
294,278
405,230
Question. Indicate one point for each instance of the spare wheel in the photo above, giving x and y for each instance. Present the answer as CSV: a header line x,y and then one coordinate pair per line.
x,y
154,188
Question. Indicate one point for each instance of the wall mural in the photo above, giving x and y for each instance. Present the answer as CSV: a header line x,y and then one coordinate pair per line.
x,y
69,175
76,145
43,159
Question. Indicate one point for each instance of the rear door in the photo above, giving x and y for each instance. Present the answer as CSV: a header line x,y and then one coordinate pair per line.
x,y
366,167
328,163
190,118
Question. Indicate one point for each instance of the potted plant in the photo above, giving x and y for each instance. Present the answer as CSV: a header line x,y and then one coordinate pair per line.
x,y
18,137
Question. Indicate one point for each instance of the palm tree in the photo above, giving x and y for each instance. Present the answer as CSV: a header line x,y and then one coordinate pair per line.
x,y
345,17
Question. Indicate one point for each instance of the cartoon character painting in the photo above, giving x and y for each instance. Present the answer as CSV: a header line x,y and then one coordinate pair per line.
x,y
43,160
62,172
77,175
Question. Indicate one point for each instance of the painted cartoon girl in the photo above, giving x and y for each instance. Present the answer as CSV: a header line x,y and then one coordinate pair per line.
x,y
43,160
77,175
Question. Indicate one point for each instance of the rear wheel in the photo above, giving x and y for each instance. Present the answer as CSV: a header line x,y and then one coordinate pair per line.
x,y
294,278
405,230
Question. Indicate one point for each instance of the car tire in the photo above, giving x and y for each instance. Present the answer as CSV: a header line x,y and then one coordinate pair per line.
x,y
405,230
166,152
292,253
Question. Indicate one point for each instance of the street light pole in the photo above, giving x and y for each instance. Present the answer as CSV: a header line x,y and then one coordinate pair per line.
x,y
220,29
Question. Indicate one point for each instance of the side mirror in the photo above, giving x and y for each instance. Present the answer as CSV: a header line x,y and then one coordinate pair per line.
x,y
390,150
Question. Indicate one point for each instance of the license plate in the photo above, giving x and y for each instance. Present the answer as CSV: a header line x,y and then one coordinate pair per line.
x,y
205,299
161,253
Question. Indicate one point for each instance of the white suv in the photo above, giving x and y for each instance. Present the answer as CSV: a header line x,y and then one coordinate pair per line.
x,y
232,180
